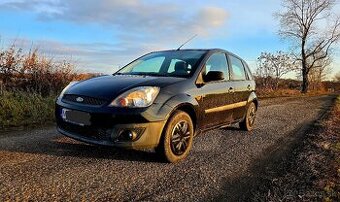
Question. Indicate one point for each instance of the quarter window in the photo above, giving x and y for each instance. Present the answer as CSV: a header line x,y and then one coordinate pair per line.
x,y
238,69
218,62
250,77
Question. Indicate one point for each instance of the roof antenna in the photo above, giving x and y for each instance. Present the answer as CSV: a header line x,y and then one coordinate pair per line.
x,y
179,48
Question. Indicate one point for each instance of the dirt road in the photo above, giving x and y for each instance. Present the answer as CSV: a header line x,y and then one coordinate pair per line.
x,y
43,165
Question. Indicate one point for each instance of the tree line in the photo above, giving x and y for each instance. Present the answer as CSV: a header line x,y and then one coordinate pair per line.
x,y
271,67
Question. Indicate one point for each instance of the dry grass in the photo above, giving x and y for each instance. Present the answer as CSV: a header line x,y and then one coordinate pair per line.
x,y
330,142
265,93
277,93
33,72
311,171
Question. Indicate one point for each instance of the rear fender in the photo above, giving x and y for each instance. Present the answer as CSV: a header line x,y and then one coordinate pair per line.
x,y
253,98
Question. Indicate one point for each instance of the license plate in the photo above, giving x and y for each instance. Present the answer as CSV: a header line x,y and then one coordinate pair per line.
x,y
76,117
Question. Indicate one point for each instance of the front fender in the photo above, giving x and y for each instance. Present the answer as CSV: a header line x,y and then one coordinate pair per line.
x,y
178,101
162,111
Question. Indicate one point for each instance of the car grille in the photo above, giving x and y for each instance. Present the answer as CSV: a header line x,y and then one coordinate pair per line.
x,y
87,132
86,100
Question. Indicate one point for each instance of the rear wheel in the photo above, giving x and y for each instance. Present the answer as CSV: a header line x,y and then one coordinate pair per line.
x,y
249,120
177,138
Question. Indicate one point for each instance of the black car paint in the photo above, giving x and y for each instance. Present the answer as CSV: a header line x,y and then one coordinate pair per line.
x,y
192,95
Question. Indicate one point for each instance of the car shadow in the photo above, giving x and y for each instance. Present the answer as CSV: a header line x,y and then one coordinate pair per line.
x,y
231,128
58,145
52,143
93,151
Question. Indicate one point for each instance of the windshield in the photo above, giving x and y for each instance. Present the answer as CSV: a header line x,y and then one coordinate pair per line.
x,y
167,63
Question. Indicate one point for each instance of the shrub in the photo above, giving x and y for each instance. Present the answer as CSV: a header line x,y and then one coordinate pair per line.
x,y
20,108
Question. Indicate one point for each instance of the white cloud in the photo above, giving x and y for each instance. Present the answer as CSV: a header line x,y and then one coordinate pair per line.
x,y
139,25
135,16
41,6
88,57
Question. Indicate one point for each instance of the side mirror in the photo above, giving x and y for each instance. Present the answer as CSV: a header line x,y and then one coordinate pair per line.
x,y
214,76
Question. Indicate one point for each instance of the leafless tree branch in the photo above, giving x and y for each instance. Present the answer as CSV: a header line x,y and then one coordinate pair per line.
x,y
301,22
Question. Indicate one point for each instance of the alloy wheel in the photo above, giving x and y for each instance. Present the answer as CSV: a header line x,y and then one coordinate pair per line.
x,y
180,138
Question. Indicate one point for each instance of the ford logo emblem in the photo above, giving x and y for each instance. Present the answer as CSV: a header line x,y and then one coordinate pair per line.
x,y
79,99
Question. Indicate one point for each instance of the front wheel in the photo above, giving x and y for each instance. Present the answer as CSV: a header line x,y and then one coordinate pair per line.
x,y
249,120
177,138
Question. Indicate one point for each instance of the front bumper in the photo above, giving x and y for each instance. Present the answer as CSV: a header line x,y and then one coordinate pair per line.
x,y
109,128
149,137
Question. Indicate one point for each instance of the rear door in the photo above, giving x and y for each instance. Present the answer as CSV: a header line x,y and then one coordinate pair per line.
x,y
217,95
242,85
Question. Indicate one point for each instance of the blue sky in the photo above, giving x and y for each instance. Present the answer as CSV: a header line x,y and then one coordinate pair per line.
x,y
101,35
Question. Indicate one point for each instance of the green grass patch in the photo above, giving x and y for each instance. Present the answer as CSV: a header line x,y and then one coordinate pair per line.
x,y
23,108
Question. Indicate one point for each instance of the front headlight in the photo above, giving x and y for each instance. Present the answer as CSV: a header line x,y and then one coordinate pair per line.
x,y
67,87
138,97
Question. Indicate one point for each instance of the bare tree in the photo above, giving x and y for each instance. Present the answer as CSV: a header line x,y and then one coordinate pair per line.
x,y
272,66
313,29
319,73
9,63
316,76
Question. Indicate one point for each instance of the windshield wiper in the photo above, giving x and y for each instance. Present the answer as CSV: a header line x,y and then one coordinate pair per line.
x,y
141,74
117,73
154,74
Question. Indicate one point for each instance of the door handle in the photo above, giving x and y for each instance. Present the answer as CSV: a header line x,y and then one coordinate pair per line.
x,y
231,90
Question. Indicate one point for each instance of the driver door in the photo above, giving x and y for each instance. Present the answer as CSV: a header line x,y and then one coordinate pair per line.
x,y
217,95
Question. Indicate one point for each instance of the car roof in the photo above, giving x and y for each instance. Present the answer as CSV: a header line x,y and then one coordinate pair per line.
x,y
198,49
206,50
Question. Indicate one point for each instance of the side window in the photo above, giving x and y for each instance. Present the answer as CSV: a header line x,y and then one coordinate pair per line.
x,y
218,62
150,65
238,69
172,65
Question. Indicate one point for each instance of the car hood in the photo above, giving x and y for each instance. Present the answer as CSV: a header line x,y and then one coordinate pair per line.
x,y
109,87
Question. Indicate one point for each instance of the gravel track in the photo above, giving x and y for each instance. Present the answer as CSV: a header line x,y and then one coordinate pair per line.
x,y
42,165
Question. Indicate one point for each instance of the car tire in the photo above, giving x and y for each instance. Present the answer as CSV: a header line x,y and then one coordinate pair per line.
x,y
177,138
248,122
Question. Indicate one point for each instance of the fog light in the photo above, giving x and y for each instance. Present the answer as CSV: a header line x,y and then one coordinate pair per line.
x,y
131,135
128,135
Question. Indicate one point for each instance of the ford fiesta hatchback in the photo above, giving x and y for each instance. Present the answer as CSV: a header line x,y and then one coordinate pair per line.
x,y
161,100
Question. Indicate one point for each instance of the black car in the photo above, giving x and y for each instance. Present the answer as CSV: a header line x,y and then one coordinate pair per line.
x,y
161,100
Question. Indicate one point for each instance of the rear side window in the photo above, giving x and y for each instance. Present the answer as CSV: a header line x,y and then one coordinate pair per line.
x,y
218,62
238,68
